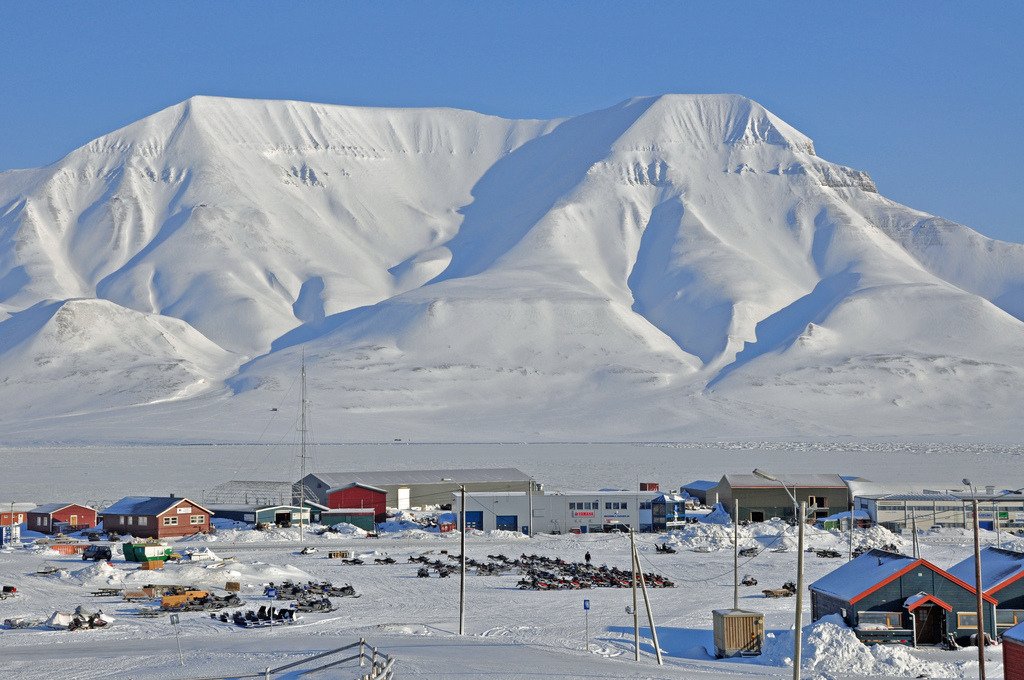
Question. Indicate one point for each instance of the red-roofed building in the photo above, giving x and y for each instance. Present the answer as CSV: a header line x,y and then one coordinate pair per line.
x,y
56,518
887,597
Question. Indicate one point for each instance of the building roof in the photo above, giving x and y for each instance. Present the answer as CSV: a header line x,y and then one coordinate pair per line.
x,y
1016,633
603,492
999,568
852,579
250,508
492,494
50,508
361,485
923,598
814,481
240,491
145,505
864,575
408,477
915,497
669,498
18,506
348,511
700,485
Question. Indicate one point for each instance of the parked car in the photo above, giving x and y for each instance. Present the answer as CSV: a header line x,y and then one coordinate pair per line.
x,y
97,553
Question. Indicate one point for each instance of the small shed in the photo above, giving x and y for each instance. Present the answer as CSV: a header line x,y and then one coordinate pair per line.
x,y
701,489
359,495
891,598
1013,653
668,511
56,518
12,514
738,632
359,517
1002,577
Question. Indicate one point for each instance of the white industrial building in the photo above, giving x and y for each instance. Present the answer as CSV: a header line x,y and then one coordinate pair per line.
x,y
559,511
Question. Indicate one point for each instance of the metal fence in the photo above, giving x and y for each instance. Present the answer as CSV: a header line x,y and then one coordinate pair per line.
x,y
377,665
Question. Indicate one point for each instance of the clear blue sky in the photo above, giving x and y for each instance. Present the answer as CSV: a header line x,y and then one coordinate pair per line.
x,y
927,97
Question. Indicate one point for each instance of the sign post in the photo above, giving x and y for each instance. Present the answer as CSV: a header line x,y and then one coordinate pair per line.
x,y
174,622
586,619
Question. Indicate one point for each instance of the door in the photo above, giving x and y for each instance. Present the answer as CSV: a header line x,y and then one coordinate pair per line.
x,y
403,499
756,516
73,520
475,519
507,522
929,621
283,519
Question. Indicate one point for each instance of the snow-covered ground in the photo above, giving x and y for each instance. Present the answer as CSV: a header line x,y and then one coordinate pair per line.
x,y
511,633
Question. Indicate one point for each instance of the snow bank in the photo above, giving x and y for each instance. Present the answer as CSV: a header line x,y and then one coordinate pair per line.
x,y
314,533
217,574
830,647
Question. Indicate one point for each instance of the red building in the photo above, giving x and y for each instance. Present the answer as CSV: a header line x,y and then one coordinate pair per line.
x,y
14,513
58,518
156,517
357,495
1013,653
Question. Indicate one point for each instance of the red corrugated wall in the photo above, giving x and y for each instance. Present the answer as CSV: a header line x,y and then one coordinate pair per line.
x,y
358,497
1013,660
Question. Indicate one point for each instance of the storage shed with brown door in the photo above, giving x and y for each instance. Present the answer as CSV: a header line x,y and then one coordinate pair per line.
x,y
156,517
60,518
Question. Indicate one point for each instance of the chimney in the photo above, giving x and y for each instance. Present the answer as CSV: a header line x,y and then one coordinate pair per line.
x,y
173,496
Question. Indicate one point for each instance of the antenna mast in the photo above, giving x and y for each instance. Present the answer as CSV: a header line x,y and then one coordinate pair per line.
x,y
302,451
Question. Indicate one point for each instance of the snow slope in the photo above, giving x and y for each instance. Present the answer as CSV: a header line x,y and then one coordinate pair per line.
x,y
668,267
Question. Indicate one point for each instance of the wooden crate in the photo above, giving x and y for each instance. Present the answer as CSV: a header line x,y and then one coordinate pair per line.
x,y
233,586
151,565
738,632
340,554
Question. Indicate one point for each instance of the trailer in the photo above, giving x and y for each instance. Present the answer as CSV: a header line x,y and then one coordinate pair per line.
x,y
147,552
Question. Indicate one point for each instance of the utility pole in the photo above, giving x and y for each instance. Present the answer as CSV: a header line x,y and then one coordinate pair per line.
x,y
529,531
798,633
302,451
636,614
995,520
647,602
978,592
853,513
913,528
462,561
736,554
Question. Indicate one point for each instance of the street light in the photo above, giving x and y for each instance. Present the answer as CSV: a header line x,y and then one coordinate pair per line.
x,y
758,472
979,605
798,627
462,556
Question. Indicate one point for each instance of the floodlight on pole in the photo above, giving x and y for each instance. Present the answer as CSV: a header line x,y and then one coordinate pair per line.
x,y
462,556
758,472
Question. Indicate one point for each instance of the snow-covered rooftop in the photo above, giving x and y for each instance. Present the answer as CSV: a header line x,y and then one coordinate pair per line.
x,y
998,567
1016,633
402,477
856,576
700,485
142,505
48,508
818,481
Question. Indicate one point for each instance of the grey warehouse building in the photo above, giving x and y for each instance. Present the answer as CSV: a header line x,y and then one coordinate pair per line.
x,y
761,499
415,488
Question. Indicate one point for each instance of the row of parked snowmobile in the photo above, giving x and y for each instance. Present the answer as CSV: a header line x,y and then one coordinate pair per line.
x,y
264,616
290,590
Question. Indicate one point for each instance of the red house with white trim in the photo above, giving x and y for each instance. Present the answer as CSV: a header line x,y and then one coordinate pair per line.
x,y
156,517
60,518
359,495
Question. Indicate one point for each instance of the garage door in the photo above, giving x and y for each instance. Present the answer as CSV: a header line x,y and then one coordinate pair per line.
x,y
475,519
508,522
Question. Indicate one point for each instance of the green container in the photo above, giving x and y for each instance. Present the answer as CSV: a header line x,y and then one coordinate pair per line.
x,y
146,552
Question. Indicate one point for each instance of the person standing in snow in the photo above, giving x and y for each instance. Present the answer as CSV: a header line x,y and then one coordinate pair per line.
x,y
587,557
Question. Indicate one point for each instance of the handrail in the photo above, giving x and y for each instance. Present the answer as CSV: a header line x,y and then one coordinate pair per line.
x,y
382,667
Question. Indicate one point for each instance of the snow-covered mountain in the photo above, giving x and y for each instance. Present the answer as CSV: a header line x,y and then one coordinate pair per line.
x,y
670,267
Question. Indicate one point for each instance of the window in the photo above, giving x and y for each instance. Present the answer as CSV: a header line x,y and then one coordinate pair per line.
x,y
572,506
170,521
142,521
1009,617
608,506
967,620
130,519
624,506
889,620
197,519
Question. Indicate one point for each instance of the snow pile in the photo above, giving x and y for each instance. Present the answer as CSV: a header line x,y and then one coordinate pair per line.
x,y
831,648
873,537
314,533
718,515
217,574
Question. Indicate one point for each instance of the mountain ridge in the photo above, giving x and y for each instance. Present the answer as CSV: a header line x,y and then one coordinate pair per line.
x,y
689,255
